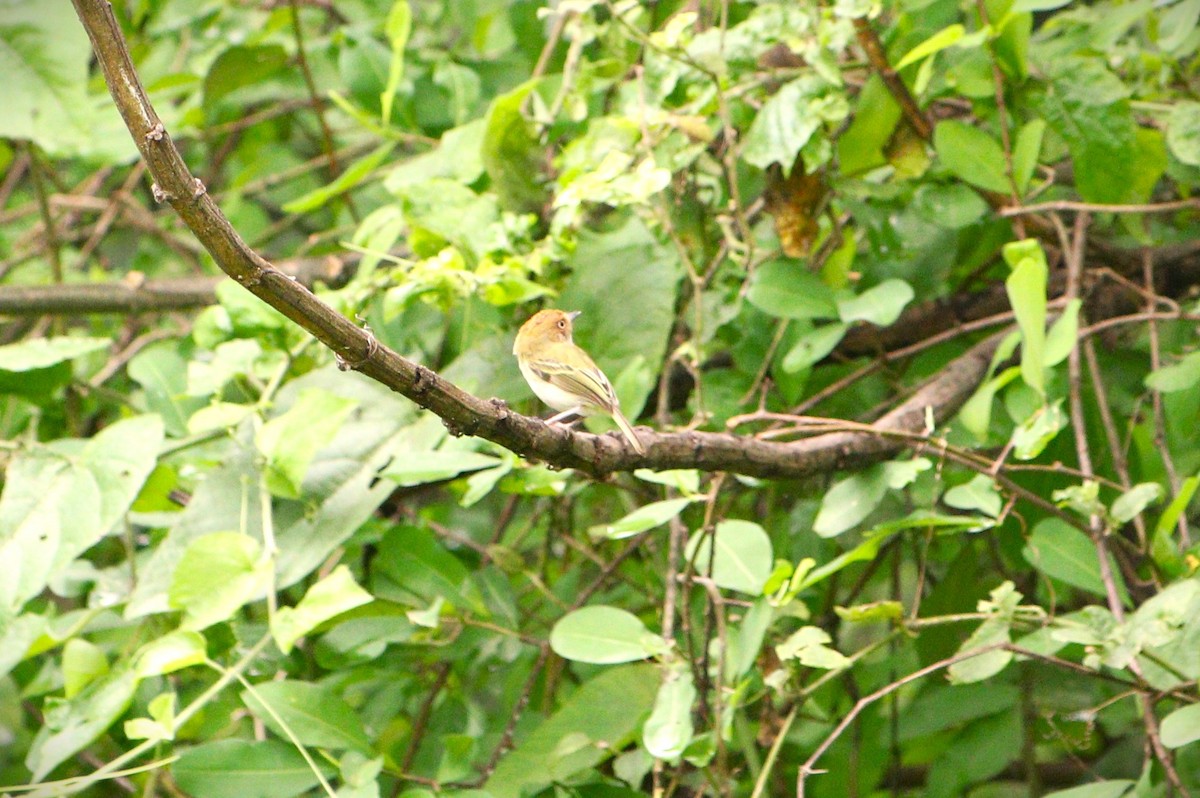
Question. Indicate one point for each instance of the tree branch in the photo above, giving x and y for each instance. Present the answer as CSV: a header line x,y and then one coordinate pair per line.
x,y
463,413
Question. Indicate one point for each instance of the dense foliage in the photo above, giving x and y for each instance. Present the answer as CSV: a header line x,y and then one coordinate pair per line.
x,y
231,566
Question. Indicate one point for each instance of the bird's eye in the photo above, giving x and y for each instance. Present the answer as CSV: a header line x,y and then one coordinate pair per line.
x,y
562,324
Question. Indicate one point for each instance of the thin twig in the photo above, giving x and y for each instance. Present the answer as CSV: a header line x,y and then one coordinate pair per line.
x,y
1091,207
1160,424
869,40
318,106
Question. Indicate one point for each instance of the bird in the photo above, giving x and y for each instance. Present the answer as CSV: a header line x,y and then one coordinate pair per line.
x,y
562,375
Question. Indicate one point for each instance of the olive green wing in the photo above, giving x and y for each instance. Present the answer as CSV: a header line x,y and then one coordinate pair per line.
x,y
588,382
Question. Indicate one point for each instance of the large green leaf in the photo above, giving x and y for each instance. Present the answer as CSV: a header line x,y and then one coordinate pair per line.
x,y
1086,105
788,120
415,569
786,289
243,769
58,501
68,726
342,490
218,573
594,723
45,54
739,553
601,635
291,440
1026,288
669,729
512,155
971,154
314,714
1061,551
333,595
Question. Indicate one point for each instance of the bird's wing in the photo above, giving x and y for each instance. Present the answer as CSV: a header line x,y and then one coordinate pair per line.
x,y
589,384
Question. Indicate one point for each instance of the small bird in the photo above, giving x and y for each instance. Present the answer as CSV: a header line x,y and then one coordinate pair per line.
x,y
562,375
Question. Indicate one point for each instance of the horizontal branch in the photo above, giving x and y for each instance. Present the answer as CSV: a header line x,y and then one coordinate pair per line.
x,y
152,296
462,412
114,297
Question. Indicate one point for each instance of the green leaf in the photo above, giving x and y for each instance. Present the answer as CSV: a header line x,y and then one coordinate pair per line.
x,y
750,635
419,468
874,612
169,653
788,290
1026,288
850,500
243,768
809,645
976,412
59,500
972,155
1176,377
241,66
1133,501
350,177
40,353
739,553
397,29
69,726
458,157
952,206
161,723
1183,131
341,497
1181,727
685,480
163,374
668,730
599,719
601,635
315,714
82,663
946,37
645,517
880,305
327,599
1177,24
978,494
219,573
1063,335
512,154
984,666
787,121
291,441
813,346
861,147
1026,149
1162,547
1087,107
46,99
1031,436
860,553
1037,5
1063,552
414,568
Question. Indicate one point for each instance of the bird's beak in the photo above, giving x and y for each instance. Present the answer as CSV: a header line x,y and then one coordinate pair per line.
x,y
573,314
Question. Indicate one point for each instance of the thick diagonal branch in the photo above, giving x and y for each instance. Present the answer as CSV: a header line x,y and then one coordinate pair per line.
x,y
462,412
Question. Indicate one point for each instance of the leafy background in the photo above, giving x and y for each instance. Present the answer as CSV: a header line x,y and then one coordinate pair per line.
x,y
230,568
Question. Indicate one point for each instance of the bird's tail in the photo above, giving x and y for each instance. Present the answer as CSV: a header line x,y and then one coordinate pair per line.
x,y
627,429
